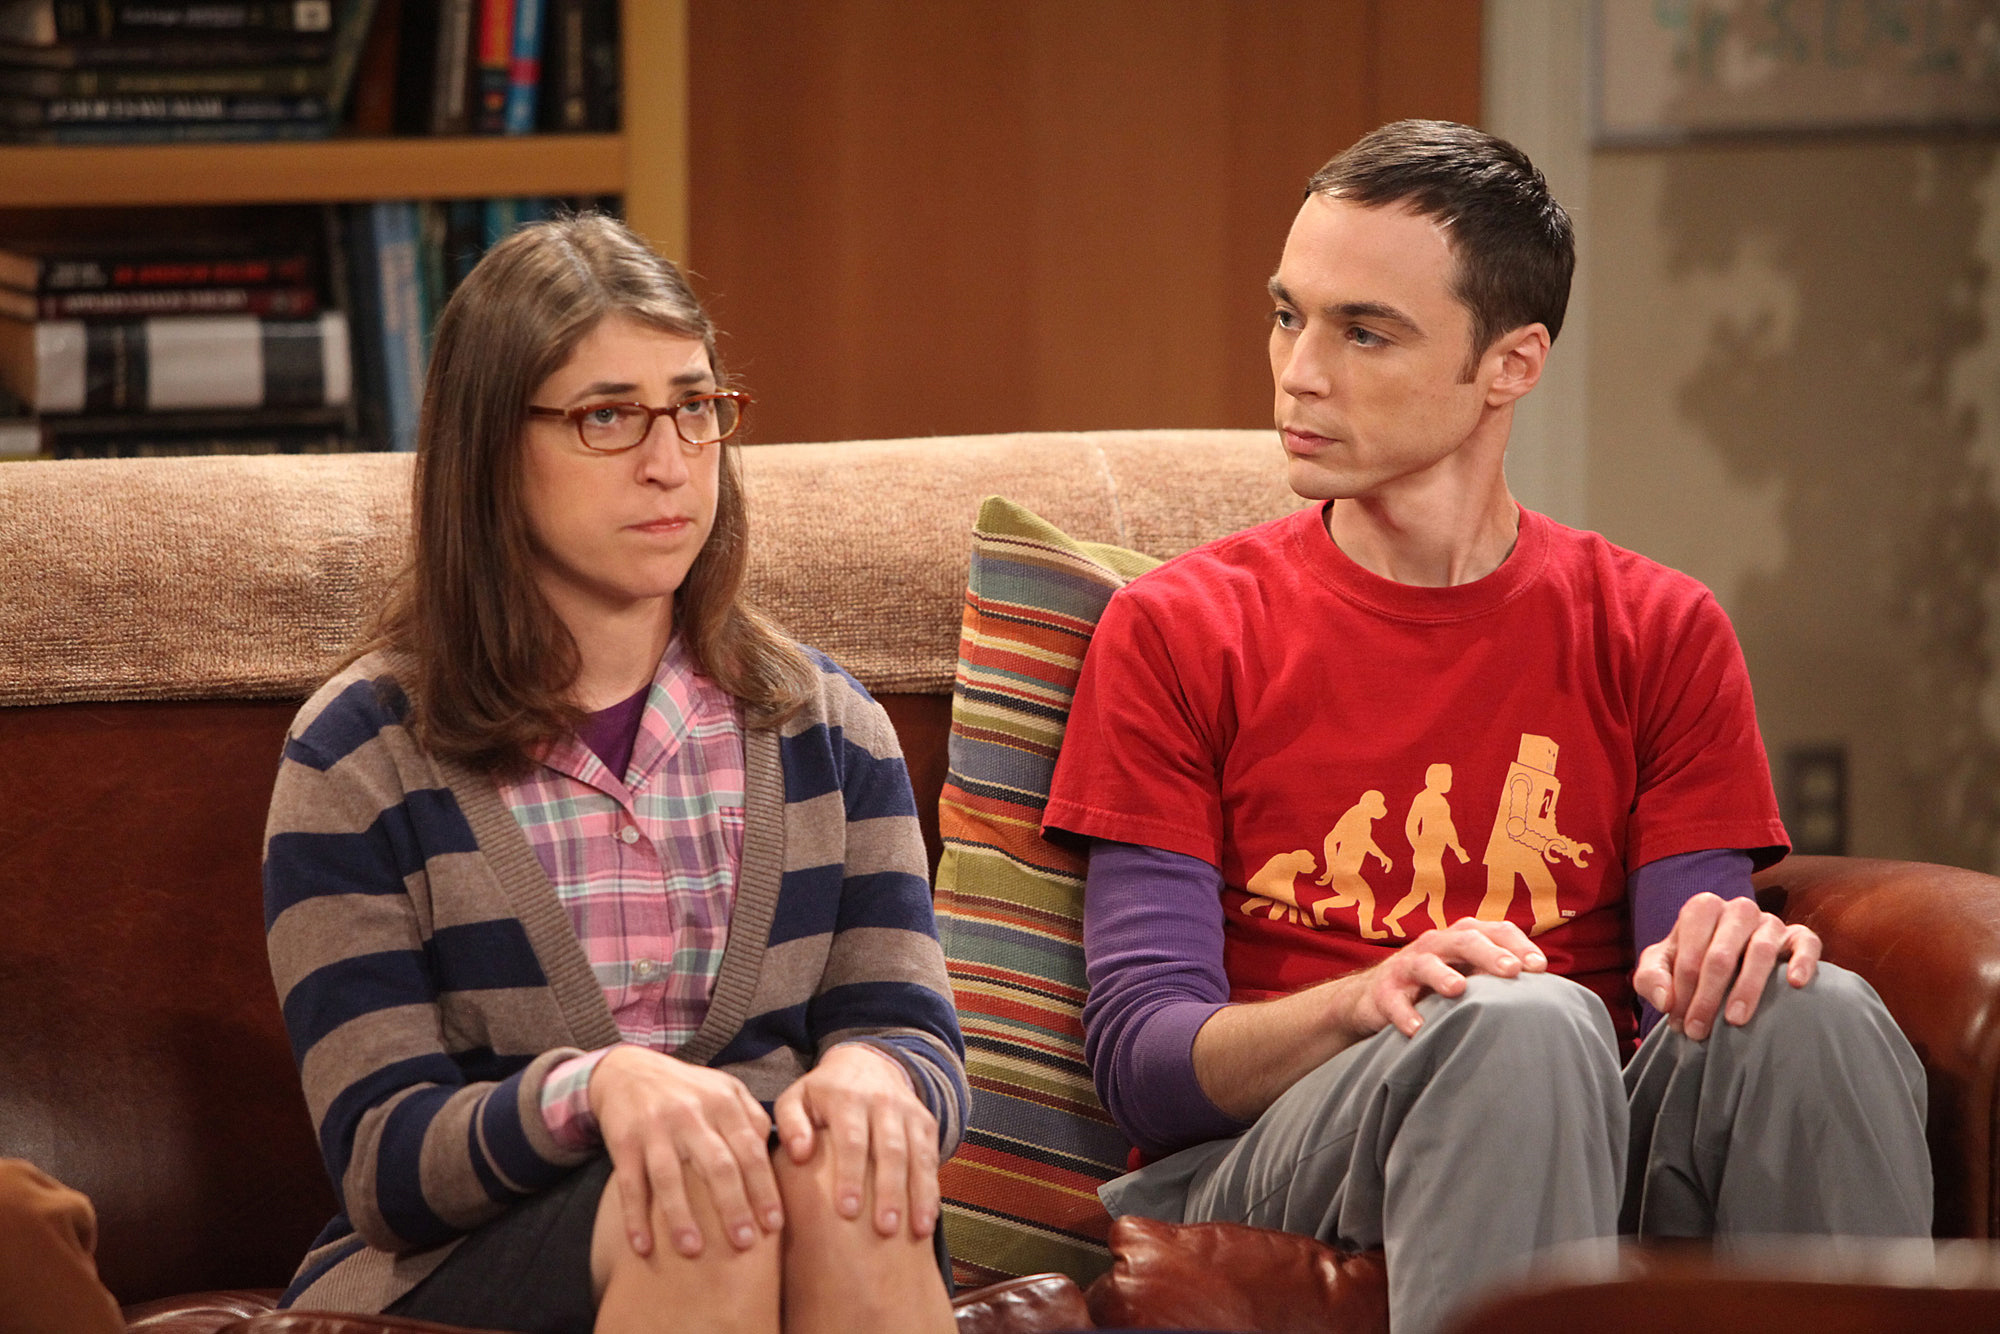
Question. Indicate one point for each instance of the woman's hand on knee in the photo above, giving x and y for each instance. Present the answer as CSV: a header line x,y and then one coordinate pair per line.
x,y
664,1121
861,1102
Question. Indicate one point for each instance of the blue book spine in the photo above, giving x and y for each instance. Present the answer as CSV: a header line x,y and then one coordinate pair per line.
x,y
501,217
524,72
395,226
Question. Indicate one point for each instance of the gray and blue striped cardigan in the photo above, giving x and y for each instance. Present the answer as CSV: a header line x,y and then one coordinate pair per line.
x,y
431,981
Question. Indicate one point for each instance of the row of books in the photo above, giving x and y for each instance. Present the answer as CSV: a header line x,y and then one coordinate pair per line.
x,y
403,261
111,71
106,71
489,67
285,344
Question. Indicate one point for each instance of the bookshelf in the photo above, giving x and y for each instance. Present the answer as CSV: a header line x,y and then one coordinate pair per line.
x,y
646,162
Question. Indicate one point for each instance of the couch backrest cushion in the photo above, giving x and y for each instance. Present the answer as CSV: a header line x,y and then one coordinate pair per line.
x,y
246,577
142,1057
1020,1195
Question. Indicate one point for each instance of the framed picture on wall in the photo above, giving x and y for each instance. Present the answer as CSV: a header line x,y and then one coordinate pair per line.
x,y
1670,70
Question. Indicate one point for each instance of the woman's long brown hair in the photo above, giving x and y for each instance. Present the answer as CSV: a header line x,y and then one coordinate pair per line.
x,y
484,659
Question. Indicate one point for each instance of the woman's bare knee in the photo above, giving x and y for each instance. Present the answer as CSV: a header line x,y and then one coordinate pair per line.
x,y
722,1289
841,1273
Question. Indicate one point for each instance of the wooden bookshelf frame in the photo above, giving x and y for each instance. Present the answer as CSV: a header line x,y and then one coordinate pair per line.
x,y
646,162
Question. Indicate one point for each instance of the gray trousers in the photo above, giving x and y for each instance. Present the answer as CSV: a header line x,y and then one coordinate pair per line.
x,y
1505,1130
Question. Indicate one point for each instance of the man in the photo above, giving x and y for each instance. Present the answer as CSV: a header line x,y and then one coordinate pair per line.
x,y
1457,1099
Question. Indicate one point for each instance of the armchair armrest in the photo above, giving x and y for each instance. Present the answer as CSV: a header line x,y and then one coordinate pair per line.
x,y
1927,938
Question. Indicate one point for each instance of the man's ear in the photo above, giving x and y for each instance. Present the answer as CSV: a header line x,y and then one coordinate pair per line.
x,y
1522,354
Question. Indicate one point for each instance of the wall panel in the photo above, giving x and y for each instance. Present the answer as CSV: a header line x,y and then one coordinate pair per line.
x,y
991,215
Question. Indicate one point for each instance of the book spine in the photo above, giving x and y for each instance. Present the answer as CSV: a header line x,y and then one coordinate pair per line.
x,y
398,290
190,361
416,64
450,110
273,301
498,217
78,18
524,70
90,273
218,421
496,53
20,437
170,132
336,292
355,226
431,276
372,100
603,71
170,445
464,240
130,16
230,107
349,39
245,270
263,80
565,102
175,52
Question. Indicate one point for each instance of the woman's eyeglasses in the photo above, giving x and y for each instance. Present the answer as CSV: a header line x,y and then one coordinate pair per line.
x,y
700,420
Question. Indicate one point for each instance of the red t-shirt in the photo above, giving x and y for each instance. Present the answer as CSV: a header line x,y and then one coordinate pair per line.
x,y
1363,759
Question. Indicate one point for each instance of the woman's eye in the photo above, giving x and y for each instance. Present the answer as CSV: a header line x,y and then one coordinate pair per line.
x,y
602,418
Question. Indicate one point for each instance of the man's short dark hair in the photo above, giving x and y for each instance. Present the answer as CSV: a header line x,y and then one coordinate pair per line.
x,y
1514,244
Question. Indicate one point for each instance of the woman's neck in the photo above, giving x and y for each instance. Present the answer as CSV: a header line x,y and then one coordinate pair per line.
x,y
618,651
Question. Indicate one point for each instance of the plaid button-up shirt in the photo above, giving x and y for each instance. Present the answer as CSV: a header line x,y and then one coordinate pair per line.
x,y
646,865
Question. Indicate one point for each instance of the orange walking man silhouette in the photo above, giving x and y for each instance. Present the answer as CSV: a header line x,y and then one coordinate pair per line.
x,y
1430,831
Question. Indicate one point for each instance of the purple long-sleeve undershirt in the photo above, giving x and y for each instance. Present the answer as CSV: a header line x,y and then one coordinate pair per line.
x,y
1152,941
1655,893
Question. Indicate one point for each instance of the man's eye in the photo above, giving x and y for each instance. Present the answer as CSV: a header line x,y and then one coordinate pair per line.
x,y
1284,319
1365,337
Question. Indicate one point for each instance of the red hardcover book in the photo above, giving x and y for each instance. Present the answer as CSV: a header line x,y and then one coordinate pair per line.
x,y
132,301
496,60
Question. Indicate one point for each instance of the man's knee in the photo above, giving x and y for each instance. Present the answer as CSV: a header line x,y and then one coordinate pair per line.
x,y
1834,996
1835,1017
1497,1037
1531,1013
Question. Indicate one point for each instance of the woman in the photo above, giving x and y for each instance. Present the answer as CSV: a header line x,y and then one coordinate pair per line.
x,y
581,865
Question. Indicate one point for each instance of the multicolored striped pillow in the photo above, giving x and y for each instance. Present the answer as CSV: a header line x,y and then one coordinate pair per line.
x,y
1020,1196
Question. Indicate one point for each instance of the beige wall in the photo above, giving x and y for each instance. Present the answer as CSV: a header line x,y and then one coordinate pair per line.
x,y
1794,394
1782,374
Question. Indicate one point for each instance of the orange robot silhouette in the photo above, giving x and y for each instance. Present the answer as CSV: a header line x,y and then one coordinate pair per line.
x,y
1525,841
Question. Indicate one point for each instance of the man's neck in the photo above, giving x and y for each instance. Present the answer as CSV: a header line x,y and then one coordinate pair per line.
x,y
1434,536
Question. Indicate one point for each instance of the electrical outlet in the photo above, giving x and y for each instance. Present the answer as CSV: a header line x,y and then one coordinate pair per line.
x,y
1815,798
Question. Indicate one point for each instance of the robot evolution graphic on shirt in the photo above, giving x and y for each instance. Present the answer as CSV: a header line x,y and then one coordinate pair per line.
x,y
1524,844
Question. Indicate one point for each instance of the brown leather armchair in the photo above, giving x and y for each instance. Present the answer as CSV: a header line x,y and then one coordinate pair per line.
x,y
163,617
